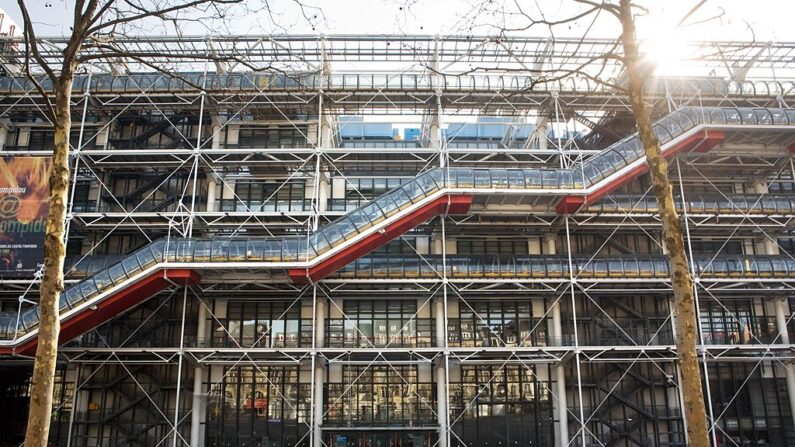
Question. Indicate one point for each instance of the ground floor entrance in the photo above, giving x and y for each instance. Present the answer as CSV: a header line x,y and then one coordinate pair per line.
x,y
383,438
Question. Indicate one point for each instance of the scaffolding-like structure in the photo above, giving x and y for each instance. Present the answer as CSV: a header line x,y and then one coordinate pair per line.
x,y
407,240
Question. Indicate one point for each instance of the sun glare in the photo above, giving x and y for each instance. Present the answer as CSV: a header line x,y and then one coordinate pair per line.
x,y
665,45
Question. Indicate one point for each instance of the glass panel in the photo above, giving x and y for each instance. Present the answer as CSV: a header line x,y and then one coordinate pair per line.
x,y
117,273
732,116
345,227
763,117
566,180
102,280
532,178
465,178
747,115
360,220
662,134
515,179
131,266
482,178
549,179
499,178
220,251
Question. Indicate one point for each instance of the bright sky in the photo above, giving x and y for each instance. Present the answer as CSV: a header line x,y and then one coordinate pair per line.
x,y
771,20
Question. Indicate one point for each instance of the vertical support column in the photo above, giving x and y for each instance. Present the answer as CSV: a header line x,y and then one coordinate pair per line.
x,y
781,308
3,133
215,133
324,191
212,185
561,405
438,311
317,404
441,401
436,244
199,406
541,133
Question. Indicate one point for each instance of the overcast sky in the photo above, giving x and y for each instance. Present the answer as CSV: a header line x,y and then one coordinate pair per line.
x,y
771,20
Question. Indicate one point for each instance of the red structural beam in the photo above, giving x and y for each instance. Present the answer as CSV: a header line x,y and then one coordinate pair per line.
x,y
701,142
111,306
450,204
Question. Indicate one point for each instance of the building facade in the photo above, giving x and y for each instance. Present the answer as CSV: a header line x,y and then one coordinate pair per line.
x,y
369,243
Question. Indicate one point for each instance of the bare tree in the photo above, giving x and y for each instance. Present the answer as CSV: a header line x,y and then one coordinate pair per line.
x,y
514,17
681,281
94,27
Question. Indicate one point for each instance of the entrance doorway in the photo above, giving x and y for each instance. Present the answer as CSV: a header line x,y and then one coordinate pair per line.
x,y
385,438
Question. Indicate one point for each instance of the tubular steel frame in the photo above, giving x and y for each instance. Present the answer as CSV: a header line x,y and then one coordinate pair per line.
x,y
396,56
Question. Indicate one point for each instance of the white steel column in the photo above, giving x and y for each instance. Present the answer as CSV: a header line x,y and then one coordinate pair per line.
x,y
4,133
441,402
541,133
199,396
212,185
781,308
561,404
438,310
319,379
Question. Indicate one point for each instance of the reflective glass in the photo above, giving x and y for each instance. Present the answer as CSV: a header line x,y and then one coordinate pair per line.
x,y
515,178
747,115
482,178
549,179
532,178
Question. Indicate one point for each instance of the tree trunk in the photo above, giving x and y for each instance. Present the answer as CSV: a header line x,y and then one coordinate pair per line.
x,y
41,387
681,282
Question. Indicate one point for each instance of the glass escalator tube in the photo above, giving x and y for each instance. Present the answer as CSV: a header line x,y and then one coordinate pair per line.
x,y
764,267
645,267
615,268
255,249
734,267
763,117
550,179
661,268
747,115
719,268
395,266
779,267
8,326
88,288
631,269
714,115
29,319
411,267
516,179
458,266
566,179
600,268
538,267
662,134
523,268
219,251
532,178
790,262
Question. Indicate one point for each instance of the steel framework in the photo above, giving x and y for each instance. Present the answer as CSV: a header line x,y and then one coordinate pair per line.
x,y
502,312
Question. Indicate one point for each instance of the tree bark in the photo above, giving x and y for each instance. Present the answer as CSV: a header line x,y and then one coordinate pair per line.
x,y
681,282
41,387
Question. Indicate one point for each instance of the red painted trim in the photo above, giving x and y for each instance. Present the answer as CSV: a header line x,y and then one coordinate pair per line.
x,y
112,306
700,142
455,204
569,204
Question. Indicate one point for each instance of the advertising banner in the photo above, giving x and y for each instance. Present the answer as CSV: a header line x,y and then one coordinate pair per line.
x,y
24,194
